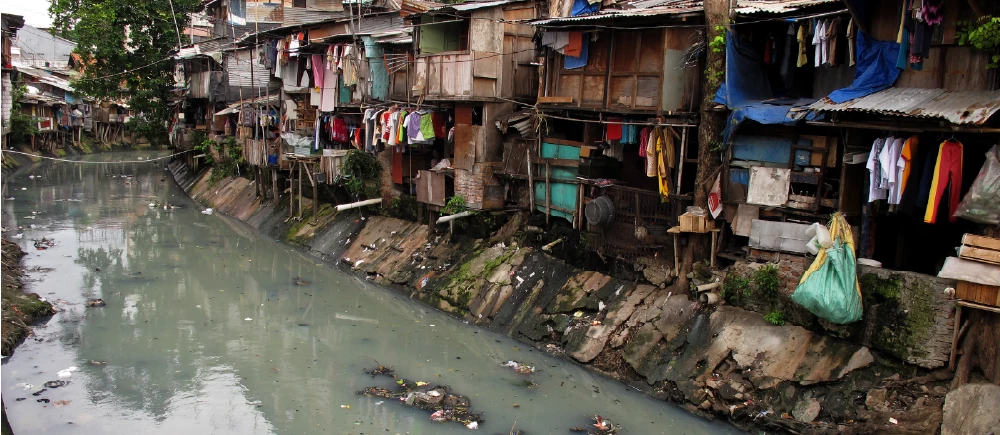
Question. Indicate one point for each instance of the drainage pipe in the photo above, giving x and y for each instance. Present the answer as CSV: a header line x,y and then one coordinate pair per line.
x,y
358,204
449,218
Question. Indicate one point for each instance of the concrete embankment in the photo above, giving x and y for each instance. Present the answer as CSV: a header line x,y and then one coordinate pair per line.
x,y
714,359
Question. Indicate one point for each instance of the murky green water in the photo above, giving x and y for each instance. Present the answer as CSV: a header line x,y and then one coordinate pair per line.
x,y
205,330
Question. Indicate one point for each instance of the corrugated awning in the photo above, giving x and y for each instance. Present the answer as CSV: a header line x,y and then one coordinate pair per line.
x,y
639,9
957,107
746,7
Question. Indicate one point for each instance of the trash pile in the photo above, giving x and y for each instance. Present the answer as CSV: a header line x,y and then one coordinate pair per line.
x,y
523,369
601,427
446,406
44,243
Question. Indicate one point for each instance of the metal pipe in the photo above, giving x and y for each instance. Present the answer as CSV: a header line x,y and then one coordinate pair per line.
x,y
359,204
449,218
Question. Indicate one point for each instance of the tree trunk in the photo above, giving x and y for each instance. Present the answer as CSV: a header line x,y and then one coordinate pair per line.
x,y
710,128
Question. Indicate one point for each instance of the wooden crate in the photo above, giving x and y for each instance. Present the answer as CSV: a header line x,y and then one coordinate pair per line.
x,y
695,224
979,293
980,248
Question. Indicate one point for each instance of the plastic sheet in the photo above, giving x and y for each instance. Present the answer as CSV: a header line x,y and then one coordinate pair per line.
x,y
982,203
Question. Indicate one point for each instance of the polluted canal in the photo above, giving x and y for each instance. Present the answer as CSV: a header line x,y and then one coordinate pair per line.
x,y
204,326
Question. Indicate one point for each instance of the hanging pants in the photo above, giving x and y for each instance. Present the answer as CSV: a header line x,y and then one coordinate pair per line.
x,y
948,168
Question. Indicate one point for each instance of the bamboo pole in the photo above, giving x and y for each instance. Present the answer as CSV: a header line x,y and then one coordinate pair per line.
x,y
548,193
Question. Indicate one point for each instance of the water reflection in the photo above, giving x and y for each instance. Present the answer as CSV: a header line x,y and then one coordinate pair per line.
x,y
212,329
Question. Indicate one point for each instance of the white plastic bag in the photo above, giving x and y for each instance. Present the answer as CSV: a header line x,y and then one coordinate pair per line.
x,y
982,202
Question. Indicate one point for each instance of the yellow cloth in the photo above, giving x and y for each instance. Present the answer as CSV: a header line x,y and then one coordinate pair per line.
x,y
662,173
802,37
839,228
909,148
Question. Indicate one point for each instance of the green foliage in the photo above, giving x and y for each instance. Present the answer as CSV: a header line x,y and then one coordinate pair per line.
x,y
22,125
404,207
454,205
983,34
734,285
765,279
125,50
718,43
362,174
775,318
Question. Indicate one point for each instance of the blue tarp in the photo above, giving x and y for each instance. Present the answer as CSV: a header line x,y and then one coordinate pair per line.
x,y
583,7
747,90
876,69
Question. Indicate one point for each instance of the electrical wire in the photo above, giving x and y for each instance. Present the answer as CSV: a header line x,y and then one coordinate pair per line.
x,y
95,163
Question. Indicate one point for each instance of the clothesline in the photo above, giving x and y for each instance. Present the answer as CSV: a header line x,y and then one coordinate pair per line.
x,y
820,15
599,121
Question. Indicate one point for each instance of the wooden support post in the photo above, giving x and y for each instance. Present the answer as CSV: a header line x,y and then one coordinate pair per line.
x,y
299,165
682,157
579,207
638,211
715,239
274,184
677,251
531,183
954,340
548,193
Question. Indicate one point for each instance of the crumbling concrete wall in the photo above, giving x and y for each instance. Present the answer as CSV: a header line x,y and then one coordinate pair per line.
x,y
723,360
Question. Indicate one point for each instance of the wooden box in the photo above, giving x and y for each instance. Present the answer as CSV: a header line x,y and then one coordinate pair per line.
x,y
978,293
695,224
980,248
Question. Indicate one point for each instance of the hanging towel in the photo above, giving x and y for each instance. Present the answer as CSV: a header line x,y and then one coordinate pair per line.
x,y
613,132
574,62
574,45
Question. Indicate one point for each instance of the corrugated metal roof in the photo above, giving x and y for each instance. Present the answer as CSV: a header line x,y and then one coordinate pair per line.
x,y
642,8
416,7
300,16
957,107
775,6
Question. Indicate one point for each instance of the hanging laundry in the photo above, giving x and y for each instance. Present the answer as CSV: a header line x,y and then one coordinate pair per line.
x,y
886,163
875,172
556,40
833,27
651,157
947,172
574,62
644,141
340,130
613,132
412,125
440,124
904,164
663,161
894,174
787,60
575,44
803,39
426,126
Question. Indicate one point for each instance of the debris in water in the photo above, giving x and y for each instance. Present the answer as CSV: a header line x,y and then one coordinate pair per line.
x,y
42,400
473,425
44,243
67,372
345,406
26,386
62,402
446,405
248,319
95,362
578,314
96,303
519,367
39,392
893,420
55,384
207,211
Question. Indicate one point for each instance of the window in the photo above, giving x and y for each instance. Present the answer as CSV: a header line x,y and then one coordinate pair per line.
x,y
299,3
450,35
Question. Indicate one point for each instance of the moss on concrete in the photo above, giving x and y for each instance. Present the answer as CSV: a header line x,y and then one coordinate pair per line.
x,y
19,309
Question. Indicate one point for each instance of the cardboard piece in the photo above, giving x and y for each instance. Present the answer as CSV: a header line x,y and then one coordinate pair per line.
x,y
768,186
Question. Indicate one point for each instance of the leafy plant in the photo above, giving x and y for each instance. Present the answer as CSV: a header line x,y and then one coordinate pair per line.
x,y
983,34
766,280
22,125
734,285
718,43
362,174
775,318
454,205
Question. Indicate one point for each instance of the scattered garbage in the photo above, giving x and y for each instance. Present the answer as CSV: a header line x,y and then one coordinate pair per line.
x,y
39,392
893,420
67,372
42,400
446,406
603,427
248,319
345,406
96,362
519,367
207,211
44,243
96,303
26,386
61,402
56,384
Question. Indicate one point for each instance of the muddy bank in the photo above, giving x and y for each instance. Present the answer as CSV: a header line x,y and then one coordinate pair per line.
x,y
20,309
720,359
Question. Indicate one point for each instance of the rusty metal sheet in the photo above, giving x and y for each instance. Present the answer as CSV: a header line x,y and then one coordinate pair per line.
x,y
465,147
430,188
958,107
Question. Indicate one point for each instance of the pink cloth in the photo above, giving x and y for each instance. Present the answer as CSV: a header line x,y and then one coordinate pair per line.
x,y
317,67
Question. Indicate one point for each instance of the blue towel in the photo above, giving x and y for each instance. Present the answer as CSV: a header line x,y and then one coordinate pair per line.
x,y
571,62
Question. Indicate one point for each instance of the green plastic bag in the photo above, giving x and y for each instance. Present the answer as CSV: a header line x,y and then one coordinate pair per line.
x,y
829,289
